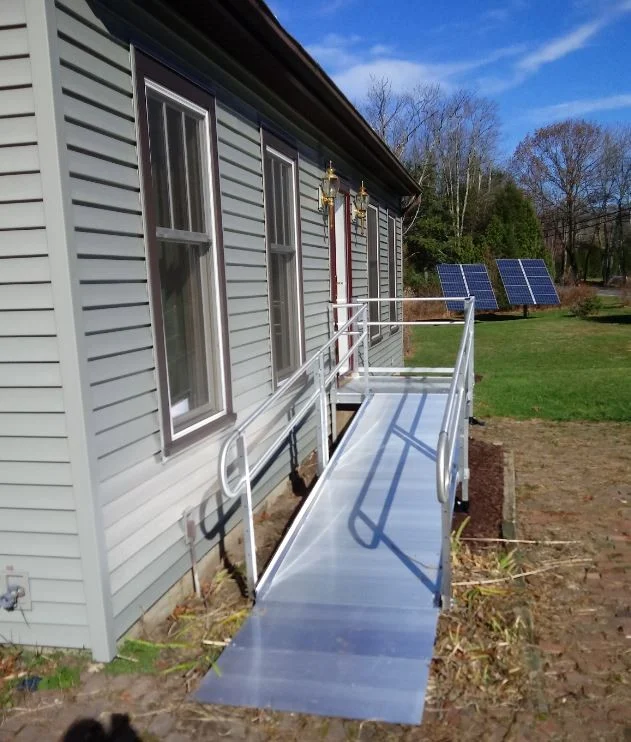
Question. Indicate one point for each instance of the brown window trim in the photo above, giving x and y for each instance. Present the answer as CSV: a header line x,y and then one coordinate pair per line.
x,y
147,68
291,152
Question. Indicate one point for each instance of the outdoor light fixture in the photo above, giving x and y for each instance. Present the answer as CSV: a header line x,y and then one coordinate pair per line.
x,y
329,187
360,207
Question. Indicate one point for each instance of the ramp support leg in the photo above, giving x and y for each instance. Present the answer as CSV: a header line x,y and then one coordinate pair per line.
x,y
445,580
248,517
323,418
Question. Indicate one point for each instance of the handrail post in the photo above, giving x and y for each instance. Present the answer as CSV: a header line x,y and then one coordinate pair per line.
x,y
471,368
323,421
366,347
248,516
333,360
445,582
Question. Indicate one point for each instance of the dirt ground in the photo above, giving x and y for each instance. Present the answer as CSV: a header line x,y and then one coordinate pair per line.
x,y
543,657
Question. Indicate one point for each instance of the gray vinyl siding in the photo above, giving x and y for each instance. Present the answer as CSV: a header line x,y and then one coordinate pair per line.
x,y
141,496
388,350
101,141
38,522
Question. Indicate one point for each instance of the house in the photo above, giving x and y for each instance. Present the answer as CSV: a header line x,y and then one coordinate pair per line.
x,y
165,263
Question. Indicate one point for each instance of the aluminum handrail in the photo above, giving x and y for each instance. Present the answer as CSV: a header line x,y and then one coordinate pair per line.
x,y
454,424
246,472
286,385
323,379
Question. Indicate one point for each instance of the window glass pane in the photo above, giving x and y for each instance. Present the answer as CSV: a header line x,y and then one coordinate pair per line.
x,y
373,270
177,168
185,306
269,200
194,154
279,204
288,211
392,266
284,312
159,174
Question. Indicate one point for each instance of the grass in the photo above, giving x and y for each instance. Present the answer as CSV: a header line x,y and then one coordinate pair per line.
x,y
552,366
58,670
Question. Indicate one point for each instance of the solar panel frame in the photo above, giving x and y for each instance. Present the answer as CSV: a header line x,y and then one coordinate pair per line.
x,y
479,285
527,281
453,284
541,285
515,283
467,279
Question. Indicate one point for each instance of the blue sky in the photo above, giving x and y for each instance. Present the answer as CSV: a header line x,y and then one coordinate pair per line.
x,y
541,60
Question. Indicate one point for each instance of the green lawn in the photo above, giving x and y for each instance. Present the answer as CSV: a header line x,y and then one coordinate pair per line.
x,y
550,366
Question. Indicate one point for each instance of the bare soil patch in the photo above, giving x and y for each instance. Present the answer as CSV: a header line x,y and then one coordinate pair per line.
x,y
486,492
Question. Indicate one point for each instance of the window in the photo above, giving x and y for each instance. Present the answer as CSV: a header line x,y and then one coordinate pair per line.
x,y
373,271
186,267
392,269
283,256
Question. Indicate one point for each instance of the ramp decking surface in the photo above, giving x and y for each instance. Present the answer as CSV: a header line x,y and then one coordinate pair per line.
x,y
345,622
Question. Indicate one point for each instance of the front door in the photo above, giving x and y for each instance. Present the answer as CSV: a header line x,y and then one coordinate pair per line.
x,y
342,294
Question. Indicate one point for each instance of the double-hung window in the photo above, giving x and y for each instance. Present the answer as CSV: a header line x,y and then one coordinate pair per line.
x,y
372,231
283,256
176,125
392,269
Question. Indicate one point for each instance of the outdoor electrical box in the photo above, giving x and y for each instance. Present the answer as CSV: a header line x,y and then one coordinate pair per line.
x,y
10,578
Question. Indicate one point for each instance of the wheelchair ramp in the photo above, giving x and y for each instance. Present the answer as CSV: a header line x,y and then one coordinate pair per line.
x,y
345,618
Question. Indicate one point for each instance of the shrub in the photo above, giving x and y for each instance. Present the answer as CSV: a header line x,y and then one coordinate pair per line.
x,y
572,295
587,306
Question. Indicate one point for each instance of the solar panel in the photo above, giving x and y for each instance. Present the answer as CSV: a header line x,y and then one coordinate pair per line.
x,y
527,281
479,285
467,280
453,284
540,281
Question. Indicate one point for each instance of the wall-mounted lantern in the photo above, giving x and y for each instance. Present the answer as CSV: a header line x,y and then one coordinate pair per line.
x,y
360,206
328,189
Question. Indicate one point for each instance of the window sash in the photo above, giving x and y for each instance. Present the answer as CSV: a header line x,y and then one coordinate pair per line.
x,y
372,242
196,290
283,262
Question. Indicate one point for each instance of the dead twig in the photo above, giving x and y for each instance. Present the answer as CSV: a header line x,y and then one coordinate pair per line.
x,y
519,541
509,578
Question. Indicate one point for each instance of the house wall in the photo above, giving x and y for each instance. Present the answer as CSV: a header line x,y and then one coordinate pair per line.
x,y
139,496
39,524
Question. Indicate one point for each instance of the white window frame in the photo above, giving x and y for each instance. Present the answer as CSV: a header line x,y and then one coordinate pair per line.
x,y
215,327
266,147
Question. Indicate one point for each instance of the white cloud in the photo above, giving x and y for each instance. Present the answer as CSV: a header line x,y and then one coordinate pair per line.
x,y
553,50
402,74
561,46
352,65
581,107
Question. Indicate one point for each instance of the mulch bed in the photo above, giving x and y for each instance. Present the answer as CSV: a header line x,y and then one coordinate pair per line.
x,y
486,492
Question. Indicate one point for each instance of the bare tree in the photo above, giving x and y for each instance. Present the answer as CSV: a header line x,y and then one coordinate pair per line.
x,y
622,190
465,152
557,166
399,118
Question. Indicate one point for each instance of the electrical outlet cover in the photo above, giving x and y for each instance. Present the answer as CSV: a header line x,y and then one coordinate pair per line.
x,y
10,578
